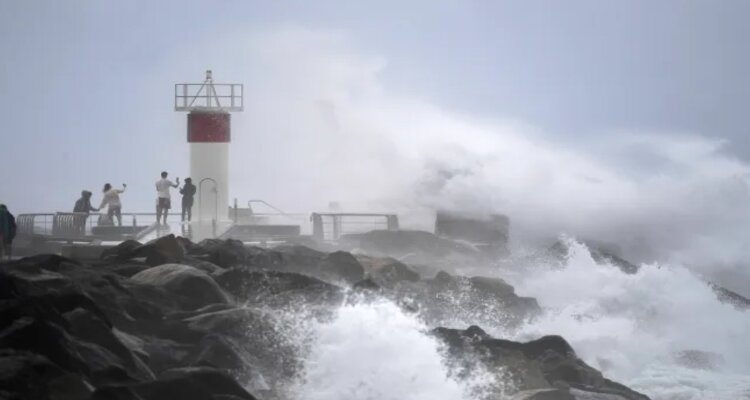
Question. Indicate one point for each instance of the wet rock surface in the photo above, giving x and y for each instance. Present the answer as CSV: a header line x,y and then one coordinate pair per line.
x,y
172,319
544,368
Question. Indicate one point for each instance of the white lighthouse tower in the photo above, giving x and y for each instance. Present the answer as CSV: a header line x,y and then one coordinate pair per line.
x,y
209,133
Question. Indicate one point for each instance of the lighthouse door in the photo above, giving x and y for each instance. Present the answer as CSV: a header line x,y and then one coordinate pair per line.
x,y
208,200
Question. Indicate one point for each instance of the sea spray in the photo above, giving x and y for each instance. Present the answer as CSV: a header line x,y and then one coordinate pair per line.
x,y
636,327
374,350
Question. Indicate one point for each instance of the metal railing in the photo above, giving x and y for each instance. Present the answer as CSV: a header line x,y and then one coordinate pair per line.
x,y
331,226
208,96
73,226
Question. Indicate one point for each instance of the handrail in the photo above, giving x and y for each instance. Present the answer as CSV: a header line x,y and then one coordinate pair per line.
x,y
291,216
73,225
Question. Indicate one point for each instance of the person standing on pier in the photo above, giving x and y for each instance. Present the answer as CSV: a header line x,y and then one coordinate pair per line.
x,y
188,195
7,232
83,206
112,201
164,198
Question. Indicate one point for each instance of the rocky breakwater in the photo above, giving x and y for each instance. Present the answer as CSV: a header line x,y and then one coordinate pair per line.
x,y
172,319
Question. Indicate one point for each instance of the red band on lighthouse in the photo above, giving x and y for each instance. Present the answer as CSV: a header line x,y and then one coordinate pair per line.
x,y
209,127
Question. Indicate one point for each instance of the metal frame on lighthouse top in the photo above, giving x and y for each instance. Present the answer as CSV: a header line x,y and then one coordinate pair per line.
x,y
208,96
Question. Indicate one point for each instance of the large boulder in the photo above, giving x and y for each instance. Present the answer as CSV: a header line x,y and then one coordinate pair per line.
x,y
26,375
447,299
387,272
340,265
183,383
123,251
67,330
88,326
60,285
225,253
192,287
265,345
277,289
203,265
546,364
166,249
87,359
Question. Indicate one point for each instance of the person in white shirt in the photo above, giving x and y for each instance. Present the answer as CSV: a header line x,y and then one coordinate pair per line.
x,y
112,201
163,200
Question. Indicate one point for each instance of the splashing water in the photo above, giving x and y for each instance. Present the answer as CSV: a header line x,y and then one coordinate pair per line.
x,y
635,327
375,351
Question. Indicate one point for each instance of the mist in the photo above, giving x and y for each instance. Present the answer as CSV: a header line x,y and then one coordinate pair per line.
x,y
321,126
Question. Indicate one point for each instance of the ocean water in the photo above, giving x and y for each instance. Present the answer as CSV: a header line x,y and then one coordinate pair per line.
x,y
661,331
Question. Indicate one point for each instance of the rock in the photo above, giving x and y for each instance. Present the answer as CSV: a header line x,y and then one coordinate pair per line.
x,y
387,272
127,268
87,326
80,357
192,249
337,267
218,382
205,266
220,351
182,383
277,289
367,286
272,352
165,353
340,265
192,287
725,295
122,251
226,253
166,249
115,393
25,375
334,267
546,364
488,301
544,394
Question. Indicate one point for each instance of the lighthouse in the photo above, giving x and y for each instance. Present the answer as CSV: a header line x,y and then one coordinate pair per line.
x,y
209,133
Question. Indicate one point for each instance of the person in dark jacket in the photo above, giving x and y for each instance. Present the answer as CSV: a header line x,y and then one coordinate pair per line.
x,y
188,197
7,232
83,205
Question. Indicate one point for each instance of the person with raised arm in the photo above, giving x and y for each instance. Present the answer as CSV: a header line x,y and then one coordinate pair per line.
x,y
111,199
164,198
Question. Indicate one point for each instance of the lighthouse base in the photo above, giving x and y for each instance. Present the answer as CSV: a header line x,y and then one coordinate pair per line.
x,y
209,170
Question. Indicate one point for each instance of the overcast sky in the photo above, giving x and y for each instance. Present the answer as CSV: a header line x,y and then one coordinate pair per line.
x,y
86,86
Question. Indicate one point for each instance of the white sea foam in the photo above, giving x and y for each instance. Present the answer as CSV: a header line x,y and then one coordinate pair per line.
x,y
633,327
375,351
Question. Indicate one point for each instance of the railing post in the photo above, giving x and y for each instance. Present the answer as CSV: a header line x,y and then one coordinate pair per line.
x,y
235,210
336,227
317,227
